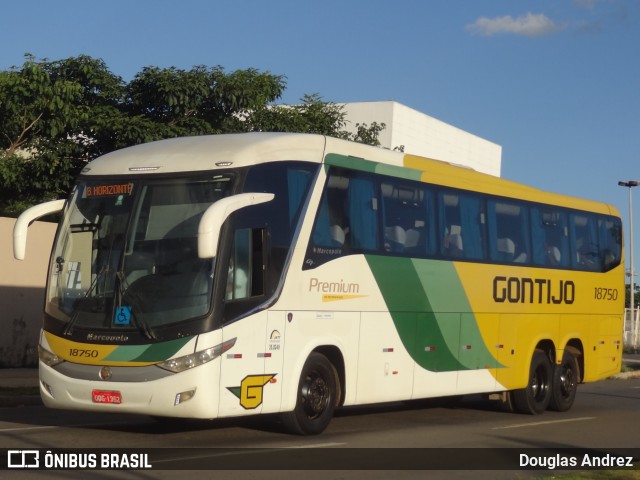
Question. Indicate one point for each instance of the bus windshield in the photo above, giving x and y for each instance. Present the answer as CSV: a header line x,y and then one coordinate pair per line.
x,y
126,256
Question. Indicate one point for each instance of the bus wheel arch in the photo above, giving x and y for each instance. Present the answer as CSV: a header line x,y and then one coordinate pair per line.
x,y
334,355
317,394
575,347
535,397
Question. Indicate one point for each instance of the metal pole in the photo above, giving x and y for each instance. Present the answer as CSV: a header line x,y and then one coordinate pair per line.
x,y
634,323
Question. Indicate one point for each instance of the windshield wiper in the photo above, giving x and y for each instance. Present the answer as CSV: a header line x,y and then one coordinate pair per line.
x,y
140,322
68,330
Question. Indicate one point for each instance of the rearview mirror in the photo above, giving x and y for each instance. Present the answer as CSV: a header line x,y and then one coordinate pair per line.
x,y
217,213
24,220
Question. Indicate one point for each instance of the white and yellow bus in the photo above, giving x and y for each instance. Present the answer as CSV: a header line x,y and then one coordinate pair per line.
x,y
231,275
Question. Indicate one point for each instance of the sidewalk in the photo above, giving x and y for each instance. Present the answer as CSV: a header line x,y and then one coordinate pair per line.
x,y
19,386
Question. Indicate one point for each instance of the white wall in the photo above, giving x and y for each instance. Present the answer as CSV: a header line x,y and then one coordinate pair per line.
x,y
22,285
426,136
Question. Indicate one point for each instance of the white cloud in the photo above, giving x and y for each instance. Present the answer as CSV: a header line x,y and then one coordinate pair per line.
x,y
529,25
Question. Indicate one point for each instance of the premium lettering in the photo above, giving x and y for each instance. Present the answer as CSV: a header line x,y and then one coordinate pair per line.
x,y
316,285
533,290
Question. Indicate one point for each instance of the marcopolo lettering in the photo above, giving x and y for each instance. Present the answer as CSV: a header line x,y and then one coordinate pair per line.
x,y
533,290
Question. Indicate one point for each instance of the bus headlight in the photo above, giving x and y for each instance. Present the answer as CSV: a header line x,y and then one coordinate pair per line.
x,y
48,358
181,364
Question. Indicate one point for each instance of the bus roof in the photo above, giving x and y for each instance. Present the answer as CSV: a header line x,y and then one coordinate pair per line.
x,y
212,152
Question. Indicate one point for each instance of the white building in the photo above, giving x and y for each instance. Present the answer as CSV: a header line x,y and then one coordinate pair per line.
x,y
426,136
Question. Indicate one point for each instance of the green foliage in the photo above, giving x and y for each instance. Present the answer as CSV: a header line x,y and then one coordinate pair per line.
x,y
313,115
636,296
55,116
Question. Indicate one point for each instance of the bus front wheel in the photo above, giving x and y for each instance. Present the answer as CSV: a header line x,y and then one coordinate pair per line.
x,y
535,397
315,399
565,383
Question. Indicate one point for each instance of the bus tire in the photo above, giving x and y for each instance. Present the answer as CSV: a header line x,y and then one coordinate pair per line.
x,y
535,397
564,385
316,397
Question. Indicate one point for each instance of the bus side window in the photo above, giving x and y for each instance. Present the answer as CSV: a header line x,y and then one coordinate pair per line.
x,y
362,208
610,241
331,229
509,239
462,225
405,214
245,277
550,237
584,236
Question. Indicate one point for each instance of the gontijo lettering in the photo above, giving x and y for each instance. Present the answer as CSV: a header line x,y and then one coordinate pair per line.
x,y
533,290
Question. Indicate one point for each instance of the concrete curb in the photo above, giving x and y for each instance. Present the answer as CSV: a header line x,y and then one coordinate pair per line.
x,y
626,375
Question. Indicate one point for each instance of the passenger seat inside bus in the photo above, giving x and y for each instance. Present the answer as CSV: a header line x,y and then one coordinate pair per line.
x,y
412,238
453,244
338,235
506,249
395,238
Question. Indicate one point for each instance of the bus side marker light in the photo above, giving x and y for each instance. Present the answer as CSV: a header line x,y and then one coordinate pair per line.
x,y
468,347
184,397
234,355
429,349
387,350
48,388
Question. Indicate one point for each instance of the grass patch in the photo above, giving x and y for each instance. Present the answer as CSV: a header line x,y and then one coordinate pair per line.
x,y
633,367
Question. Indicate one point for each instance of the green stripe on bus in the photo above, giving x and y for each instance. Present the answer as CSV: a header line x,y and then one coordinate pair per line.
x,y
158,352
362,165
350,162
441,283
431,313
126,353
147,353
399,172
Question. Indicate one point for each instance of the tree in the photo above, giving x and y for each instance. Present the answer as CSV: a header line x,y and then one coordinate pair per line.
x,y
313,115
36,111
636,296
56,116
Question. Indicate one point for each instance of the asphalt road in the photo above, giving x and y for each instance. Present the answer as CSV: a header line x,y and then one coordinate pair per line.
x,y
606,415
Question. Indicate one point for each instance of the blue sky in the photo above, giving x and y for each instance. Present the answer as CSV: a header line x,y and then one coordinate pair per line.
x,y
556,83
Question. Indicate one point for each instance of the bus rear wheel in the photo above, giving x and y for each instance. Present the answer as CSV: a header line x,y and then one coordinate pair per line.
x,y
535,397
565,383
316,397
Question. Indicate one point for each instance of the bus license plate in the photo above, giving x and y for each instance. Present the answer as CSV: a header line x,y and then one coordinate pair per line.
x,y
106,396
